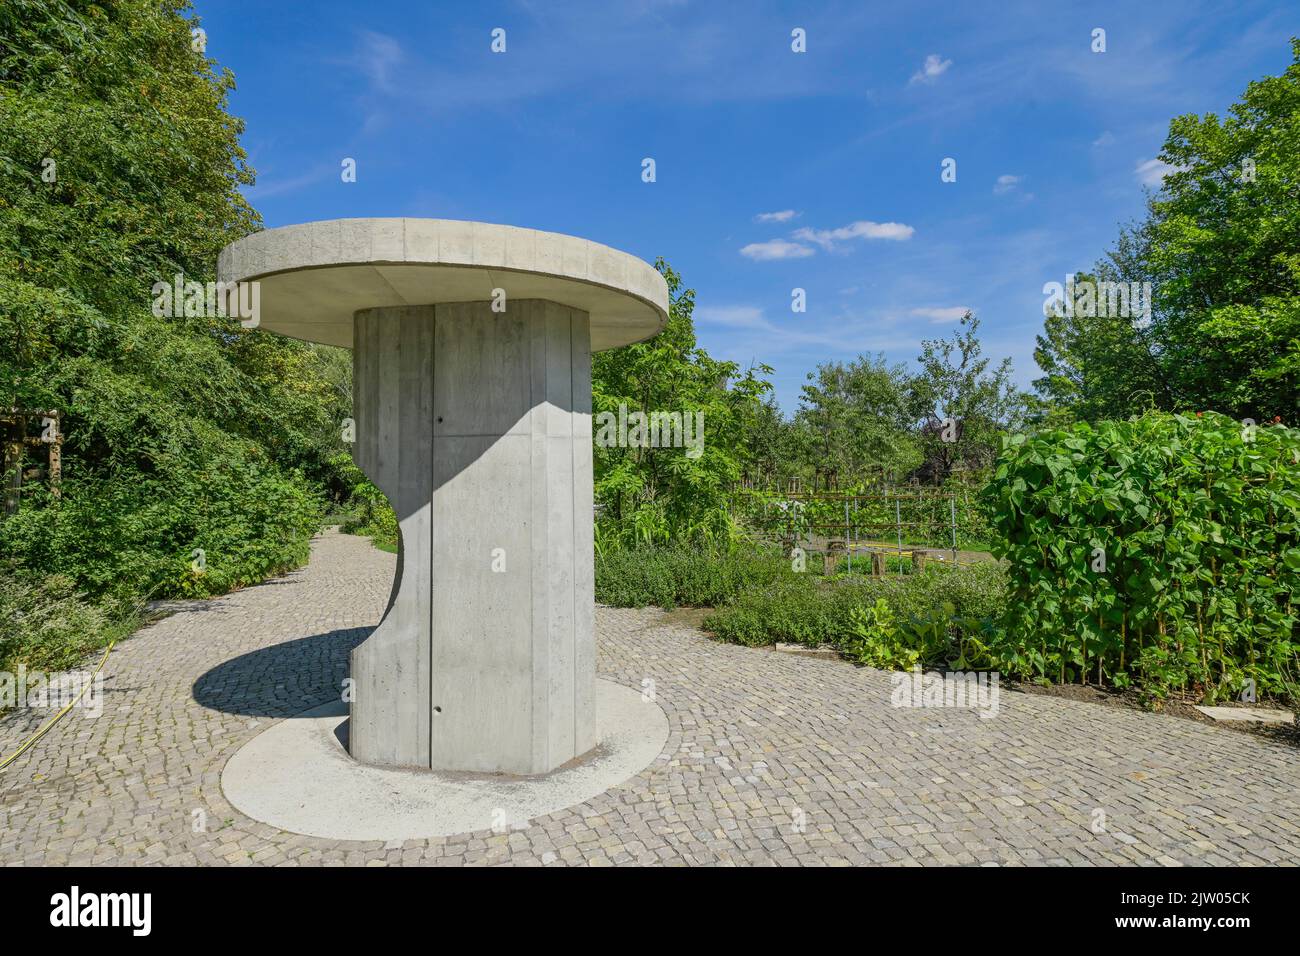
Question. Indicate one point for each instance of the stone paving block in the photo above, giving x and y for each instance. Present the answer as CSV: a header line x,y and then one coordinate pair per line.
x,y
772,759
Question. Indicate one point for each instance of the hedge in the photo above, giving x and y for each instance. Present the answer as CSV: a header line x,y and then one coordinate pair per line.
x,y
1162,551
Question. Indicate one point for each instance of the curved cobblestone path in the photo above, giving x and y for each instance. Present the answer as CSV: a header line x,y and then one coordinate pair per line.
x,y
772,758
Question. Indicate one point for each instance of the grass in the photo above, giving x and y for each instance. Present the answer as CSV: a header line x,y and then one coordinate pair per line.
x,y
47,625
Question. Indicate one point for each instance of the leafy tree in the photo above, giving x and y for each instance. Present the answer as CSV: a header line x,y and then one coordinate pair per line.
x,y
657,495
121,168
1221,247
1096,366
961,405
774,446
855,417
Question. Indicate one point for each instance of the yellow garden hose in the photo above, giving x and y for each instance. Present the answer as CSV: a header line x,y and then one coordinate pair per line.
x,y
55,719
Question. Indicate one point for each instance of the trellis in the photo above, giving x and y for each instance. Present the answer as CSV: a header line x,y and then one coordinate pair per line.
x,y
16,426
864,526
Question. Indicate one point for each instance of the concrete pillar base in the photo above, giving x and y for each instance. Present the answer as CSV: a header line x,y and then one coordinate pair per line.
x,y
296,776
477,426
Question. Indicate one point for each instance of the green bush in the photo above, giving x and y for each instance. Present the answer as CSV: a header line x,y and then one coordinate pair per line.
x,y
372,517
135,534
47,625
943,615
670,576
181,432
1163,551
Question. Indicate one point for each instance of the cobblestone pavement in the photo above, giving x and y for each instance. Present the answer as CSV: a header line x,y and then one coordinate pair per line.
x,y
772,758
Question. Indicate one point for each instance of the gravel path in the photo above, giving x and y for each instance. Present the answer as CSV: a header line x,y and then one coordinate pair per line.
x,y
772,758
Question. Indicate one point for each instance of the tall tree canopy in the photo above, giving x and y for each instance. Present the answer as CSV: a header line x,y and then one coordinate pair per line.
x,y
121,168
657,494
856,417
964,403
1221,247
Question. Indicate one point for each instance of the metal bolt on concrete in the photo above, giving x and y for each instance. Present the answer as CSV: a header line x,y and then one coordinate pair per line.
x,y
771,758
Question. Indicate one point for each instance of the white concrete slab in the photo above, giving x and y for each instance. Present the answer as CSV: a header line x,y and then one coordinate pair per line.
x,y
314,276
1248,715
297,776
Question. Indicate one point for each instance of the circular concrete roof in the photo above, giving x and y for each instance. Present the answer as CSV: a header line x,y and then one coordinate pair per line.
x,y
312,277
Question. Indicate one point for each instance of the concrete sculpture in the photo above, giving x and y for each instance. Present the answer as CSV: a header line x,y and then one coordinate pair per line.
x,y
472,352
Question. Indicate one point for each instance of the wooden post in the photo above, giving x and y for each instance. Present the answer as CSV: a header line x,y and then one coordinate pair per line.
x,y
834,548
848,537
14,428
877,564
56,455
898,523
13,475
918,561
952,510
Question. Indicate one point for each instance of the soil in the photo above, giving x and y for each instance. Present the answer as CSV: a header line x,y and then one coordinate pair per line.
x,y
1283,733
686,617
1288,733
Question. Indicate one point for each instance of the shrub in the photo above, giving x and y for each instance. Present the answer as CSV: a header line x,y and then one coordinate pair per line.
x,y
372,517
1163,551
670,576
139,535
181,432
943,615
47,625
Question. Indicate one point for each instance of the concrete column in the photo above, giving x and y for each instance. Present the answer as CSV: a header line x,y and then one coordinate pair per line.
x,y
477,426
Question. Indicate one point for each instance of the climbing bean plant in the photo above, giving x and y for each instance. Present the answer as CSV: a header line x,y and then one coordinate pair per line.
x,y
1162,552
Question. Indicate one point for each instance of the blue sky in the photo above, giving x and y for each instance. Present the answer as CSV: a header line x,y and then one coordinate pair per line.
x,y
774,169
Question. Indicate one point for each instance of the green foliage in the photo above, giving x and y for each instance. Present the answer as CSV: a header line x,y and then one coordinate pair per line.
x,y
139,534
926,517
1098,367
854,419
1198,522
47,625
874,638
181,433
373,517
865,422
1221,247
662,495
944,615
670,576
957,388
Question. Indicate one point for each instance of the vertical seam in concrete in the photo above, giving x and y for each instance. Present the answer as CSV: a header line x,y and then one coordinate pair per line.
x,y
530,325
573,543
433,525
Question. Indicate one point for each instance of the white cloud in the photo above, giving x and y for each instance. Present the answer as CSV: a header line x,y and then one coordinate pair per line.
x,y
945,314
1006,182
733,316
775,249
1105,139
1152,172
862,229
376,58
746,332
266,188
785,215
933,68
